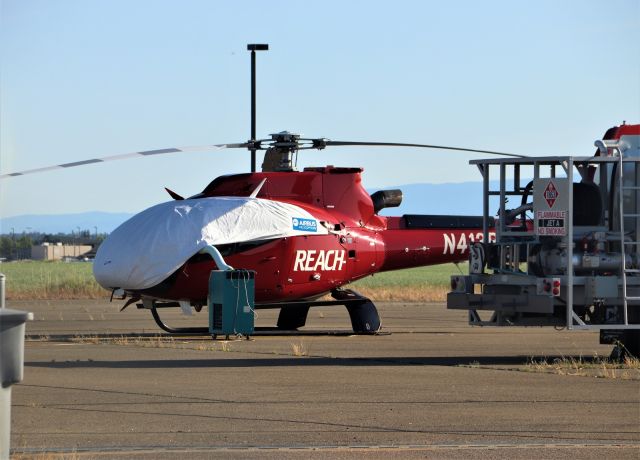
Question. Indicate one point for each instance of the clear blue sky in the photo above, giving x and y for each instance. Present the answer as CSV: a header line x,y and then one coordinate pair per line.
x,y
83,79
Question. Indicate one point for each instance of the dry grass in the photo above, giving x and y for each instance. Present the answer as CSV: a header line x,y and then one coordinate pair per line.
x,y
204,346
86,339
427,293
146,342
159,341
628,369
45,456
299,349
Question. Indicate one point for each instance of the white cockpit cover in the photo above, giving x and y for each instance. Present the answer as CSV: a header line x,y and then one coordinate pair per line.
x,y
153,244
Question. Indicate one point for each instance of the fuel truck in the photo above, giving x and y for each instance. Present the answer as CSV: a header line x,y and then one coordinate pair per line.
x,y
563,248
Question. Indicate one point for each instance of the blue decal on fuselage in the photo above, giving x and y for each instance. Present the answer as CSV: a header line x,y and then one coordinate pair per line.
x,y
304,225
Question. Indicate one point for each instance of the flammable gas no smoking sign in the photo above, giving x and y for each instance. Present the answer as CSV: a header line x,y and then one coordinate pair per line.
x,y
551,222
550,194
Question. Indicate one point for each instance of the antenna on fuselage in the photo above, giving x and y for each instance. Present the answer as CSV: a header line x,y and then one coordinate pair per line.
x,y
253,48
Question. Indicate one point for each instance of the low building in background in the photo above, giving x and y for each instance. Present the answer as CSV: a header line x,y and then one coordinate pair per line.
x,y
58,251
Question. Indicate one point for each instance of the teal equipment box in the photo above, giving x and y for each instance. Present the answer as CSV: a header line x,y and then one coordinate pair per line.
x,y
231,302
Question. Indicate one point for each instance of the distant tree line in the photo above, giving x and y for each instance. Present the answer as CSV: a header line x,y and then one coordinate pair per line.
x,y
18,245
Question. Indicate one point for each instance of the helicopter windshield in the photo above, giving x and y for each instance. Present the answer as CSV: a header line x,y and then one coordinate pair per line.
x,y
151,245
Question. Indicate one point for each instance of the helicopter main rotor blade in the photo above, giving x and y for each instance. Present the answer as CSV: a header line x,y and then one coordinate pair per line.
x,y
123,156
426,146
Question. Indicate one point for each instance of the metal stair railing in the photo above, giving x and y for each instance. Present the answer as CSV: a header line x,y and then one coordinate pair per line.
x,y
635,215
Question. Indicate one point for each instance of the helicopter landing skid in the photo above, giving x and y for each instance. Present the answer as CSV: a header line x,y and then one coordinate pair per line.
x,y
362,311
176,330
293,315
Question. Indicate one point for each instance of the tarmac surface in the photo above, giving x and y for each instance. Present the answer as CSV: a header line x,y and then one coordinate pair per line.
x,y
99,383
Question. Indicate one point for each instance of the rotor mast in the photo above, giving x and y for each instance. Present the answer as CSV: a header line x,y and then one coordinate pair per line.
x,y
253,48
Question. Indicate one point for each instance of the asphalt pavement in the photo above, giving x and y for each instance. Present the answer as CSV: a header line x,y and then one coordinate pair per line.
x,y
99,383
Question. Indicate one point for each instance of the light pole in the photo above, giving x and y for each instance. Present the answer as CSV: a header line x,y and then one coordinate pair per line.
x,y
253,48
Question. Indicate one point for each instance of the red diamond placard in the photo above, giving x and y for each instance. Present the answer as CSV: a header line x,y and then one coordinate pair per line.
x,y
550,194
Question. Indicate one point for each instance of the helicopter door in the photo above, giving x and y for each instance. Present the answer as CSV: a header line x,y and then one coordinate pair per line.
x,y
364,251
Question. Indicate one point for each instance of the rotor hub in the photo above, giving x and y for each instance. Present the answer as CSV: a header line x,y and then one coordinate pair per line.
x,y
279,154
285,139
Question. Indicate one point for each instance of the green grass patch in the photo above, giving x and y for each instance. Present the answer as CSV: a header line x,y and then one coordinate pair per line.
x,y
435,275
50,280
421,284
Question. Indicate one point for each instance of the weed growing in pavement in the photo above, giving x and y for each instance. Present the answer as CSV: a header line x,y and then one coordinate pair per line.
x,y
628,369
45,455
299,349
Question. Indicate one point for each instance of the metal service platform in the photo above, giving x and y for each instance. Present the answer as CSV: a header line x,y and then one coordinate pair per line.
x,y
564,250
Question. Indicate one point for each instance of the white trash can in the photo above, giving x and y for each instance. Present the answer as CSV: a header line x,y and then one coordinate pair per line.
x,y
12,325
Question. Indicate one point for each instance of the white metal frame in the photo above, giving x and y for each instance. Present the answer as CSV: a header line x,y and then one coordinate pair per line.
x,y
568,163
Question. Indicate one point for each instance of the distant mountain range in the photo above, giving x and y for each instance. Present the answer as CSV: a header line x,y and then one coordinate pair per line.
x,y
462,198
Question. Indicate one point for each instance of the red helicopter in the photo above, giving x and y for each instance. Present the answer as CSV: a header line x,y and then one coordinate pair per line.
x,y
304,233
